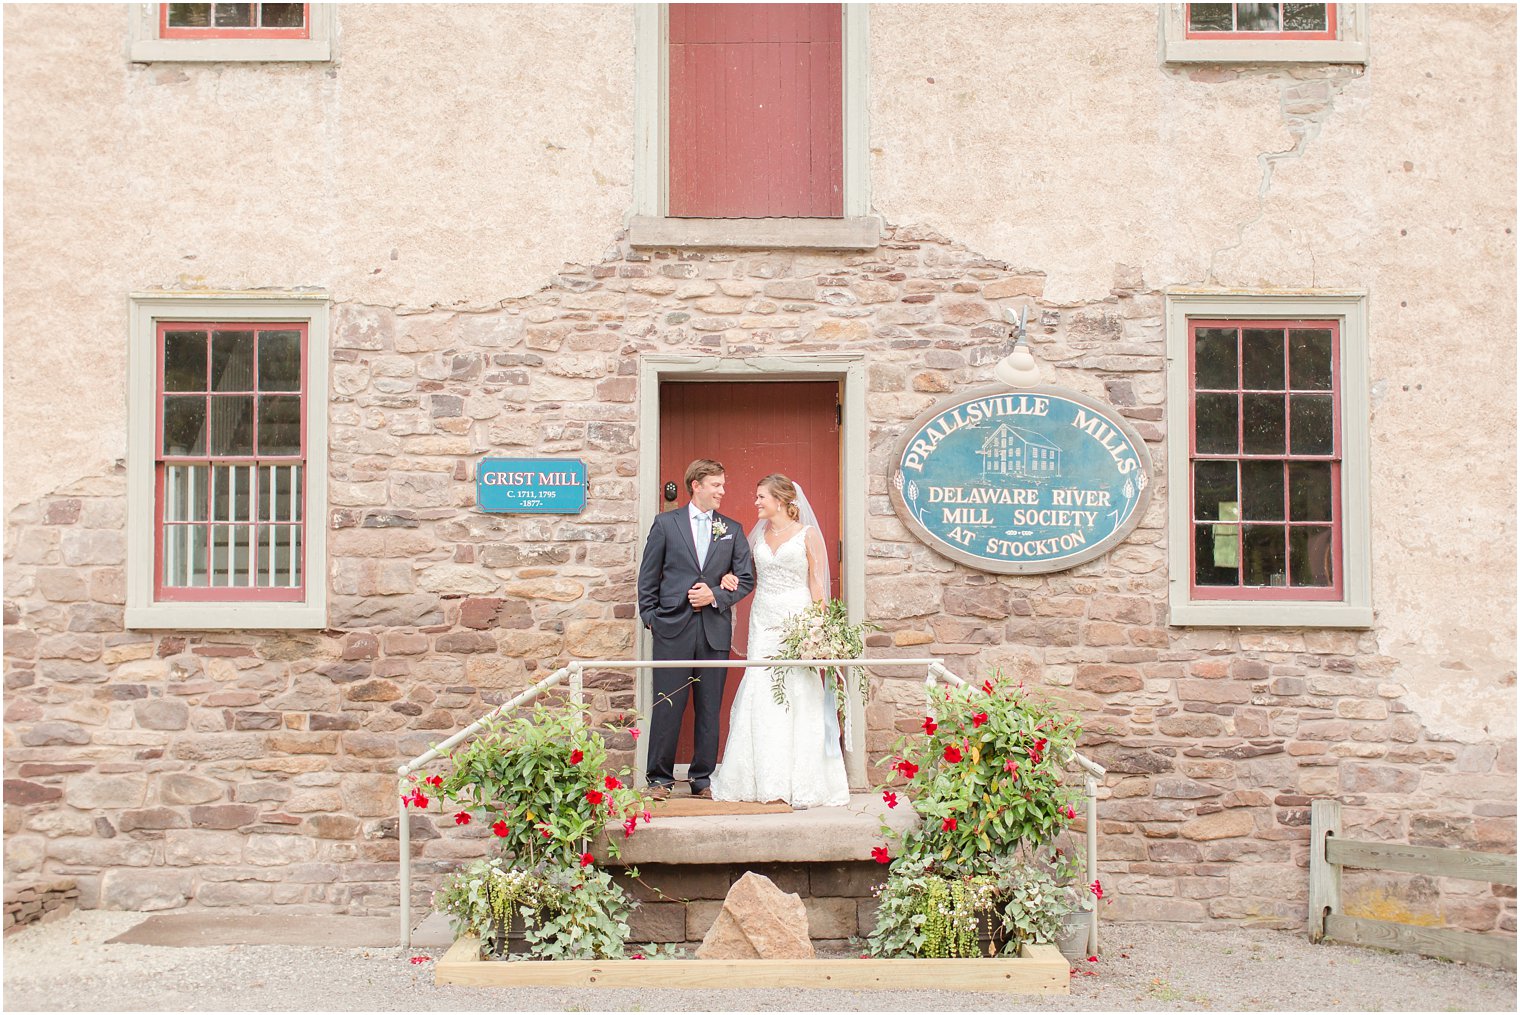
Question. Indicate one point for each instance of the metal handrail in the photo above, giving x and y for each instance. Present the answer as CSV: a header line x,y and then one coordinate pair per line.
x,y
575,670
1091,773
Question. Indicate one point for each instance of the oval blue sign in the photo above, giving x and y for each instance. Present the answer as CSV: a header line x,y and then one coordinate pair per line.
x,y
1021,482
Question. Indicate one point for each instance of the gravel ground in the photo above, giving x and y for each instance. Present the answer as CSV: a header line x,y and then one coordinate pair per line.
x,y
66,966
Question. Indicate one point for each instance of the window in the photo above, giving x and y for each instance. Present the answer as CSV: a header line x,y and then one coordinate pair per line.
x,y
1265,33
227,475
229,483
751,124
231,32
1267,461
233,21
1261,21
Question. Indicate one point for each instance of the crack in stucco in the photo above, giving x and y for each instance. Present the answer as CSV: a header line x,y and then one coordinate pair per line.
x,y
1305,107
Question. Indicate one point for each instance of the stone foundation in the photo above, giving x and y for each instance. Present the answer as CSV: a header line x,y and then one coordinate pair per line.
x,y
678,902
30,901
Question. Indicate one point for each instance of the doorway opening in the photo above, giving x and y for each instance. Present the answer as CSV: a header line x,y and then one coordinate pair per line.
x,y
754,428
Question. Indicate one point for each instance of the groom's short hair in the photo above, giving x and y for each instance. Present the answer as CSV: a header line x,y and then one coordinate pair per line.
x,y
700,470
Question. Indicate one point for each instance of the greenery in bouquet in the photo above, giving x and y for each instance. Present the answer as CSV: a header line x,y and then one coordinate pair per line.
x,y
539,781
564,912
823,631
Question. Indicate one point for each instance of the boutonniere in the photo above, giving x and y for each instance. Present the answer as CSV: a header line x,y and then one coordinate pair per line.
x,y
720,529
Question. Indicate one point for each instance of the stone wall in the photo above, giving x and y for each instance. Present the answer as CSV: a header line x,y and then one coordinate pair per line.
x,y
32,900
251,768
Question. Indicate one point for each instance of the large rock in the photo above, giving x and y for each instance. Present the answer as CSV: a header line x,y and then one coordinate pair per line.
x,y
144,891
758,921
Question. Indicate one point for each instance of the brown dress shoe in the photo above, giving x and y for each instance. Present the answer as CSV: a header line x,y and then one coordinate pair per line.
x,y
705,793
658,792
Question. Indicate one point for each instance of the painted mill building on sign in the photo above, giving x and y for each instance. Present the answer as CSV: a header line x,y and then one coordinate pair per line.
x,y
282,277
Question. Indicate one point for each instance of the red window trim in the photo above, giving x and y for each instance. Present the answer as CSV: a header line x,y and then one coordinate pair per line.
x,y
228,593
165,32
1270,593
1331,32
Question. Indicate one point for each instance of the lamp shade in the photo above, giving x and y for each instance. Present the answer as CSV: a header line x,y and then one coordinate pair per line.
x,y
1018,369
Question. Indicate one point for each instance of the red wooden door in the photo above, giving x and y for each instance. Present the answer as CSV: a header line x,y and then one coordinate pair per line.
x,y
754,428
756,124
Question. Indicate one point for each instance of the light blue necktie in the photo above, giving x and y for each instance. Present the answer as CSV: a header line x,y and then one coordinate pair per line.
x,y
704,537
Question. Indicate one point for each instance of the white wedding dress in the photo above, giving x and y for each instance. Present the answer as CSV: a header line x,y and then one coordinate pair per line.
x,y
780,752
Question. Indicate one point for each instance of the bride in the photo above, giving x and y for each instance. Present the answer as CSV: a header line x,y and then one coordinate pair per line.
x,y
784,752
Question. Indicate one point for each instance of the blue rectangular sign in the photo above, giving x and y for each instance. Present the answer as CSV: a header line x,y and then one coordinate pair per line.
x,y
552,486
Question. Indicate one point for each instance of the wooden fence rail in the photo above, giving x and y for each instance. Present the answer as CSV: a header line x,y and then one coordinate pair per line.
x,y
1329,853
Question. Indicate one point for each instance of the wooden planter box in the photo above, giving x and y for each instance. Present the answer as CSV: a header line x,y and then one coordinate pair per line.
x,y
1039,970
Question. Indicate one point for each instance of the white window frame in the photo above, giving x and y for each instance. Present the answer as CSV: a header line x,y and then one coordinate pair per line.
x,y
1350,309
1350,45
145,45
648,224
145,311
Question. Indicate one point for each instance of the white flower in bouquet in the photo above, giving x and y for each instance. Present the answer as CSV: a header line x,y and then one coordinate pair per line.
x,y
822,631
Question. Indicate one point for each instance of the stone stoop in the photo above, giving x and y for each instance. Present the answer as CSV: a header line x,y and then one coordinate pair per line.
x,y
38,900
686,866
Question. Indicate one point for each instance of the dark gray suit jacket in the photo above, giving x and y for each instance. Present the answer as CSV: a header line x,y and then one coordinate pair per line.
x,y
669,570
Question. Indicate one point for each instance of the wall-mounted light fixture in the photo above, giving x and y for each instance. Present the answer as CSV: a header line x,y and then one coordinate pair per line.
x,y
1018,369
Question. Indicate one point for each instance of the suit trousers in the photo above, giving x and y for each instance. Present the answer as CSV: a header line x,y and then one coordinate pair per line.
x,y
672,689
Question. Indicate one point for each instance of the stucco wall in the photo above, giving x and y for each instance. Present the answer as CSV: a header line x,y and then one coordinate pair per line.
x,y
434,167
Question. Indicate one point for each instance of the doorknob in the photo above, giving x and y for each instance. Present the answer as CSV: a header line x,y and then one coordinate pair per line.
x,y
670,490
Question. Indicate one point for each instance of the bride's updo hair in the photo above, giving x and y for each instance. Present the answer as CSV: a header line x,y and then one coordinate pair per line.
x,y
785,491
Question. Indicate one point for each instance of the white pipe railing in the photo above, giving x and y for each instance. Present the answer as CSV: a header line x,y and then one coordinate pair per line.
x,y
935,670
1091,773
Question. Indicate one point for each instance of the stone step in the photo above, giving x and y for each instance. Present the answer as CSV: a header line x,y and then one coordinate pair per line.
x,y
815,835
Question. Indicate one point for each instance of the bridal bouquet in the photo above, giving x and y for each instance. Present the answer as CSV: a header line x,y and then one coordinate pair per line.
x,y
823,631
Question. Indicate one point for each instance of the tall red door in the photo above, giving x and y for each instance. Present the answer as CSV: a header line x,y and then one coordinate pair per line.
x,y
754,428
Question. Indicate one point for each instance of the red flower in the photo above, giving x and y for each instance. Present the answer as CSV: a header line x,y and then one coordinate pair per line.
x,y
948,825
611,782
907,768
987,686
638,956
416,799
1092,958
500,828
952,754
434,780
575,757
978,719
587,859
629,826
418,960
880,855
646,817
890,798
633,731
593,796
1097,889
1011,766
1070,813
462,818
930,725
546,831
1039,745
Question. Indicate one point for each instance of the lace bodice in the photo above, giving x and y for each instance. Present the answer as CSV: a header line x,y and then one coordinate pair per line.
x,y
781,589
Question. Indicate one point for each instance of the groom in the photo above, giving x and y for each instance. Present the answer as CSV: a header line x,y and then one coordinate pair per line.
x,y
685,608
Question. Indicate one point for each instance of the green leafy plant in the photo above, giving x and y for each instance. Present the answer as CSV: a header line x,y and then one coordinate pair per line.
x,y
933,908
985,775
564,912
823,631
540,782
985,772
